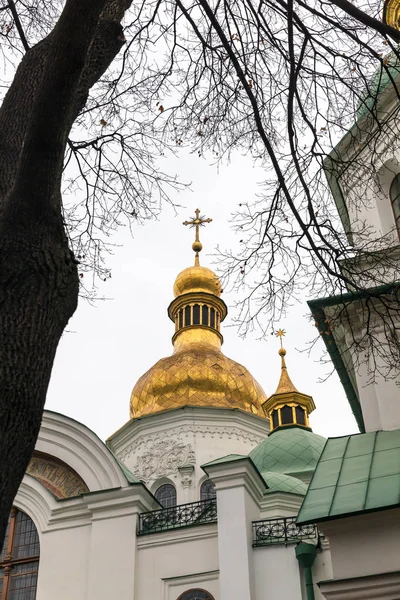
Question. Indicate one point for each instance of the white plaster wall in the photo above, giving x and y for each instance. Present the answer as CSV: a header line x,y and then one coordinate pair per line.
x,y
155,447
111,569
364,545
91,562
372,162
63,565
322,570
277,575
379,390
172,562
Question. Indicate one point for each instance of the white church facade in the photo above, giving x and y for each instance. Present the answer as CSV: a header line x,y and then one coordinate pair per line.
x,y
195,497
212,490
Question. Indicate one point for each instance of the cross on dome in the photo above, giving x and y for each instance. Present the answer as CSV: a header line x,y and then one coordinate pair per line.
x,y
197,222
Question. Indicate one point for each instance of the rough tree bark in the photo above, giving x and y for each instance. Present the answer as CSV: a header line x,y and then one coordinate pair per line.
x,y
38,274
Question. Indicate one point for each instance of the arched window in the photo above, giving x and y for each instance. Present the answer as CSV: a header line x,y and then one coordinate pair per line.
x,y
395,199
196,595
166,495
207,490
19,559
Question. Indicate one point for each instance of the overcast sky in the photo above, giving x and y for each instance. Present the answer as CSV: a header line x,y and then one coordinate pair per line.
x,y
107,347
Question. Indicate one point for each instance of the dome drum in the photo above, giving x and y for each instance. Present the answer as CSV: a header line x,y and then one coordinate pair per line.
x,y
289,398
197,309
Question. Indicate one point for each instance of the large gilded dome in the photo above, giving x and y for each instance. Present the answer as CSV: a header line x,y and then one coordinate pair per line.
x,y
197,374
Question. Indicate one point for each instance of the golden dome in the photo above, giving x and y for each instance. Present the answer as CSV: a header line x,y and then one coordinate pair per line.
x,y
197,374
197,279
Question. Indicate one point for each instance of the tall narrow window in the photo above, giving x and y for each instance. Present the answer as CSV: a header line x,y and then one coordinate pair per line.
x,y
300,415
207,490
166,495
212,317
286,415
181,318
196,595
275,419
395,200
187,316
204,315
19,559
196,314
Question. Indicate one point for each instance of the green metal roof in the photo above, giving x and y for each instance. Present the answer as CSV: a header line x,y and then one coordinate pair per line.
x,y
384,75
224,459
278,482
292,450
355,474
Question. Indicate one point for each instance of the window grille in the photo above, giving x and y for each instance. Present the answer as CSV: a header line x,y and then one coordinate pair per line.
x,y
166,495
207,490
19,559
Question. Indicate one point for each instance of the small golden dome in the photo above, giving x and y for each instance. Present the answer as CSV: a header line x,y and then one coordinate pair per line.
x,y
197,374
197,279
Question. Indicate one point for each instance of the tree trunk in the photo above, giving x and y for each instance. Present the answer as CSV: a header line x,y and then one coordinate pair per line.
x,y
38,294
38,274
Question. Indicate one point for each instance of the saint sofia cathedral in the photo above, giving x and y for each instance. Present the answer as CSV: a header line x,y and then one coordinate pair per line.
x,y
212,490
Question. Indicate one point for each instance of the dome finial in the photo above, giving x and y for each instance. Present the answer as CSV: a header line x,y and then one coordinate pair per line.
x,y
287,407
285,384
198,221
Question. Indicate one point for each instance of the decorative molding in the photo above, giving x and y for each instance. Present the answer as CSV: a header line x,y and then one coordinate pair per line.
x,y
146,441
165,422
382,586
186,475
162,459
173,586
56,476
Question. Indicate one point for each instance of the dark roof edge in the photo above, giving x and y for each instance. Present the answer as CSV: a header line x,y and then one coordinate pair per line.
x,y
349,515
318,313
374,292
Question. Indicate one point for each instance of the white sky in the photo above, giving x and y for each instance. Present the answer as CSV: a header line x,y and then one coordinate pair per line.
x,y
109,346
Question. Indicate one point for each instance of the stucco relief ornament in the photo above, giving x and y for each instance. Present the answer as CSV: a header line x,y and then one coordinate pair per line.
x,y
163,459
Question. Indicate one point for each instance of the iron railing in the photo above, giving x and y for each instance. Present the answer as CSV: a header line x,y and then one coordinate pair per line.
x,y
175,517
281,531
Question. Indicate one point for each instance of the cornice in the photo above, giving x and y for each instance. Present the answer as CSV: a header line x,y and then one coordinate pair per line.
x,y
165,538
382,586
192,418
237,473
280,501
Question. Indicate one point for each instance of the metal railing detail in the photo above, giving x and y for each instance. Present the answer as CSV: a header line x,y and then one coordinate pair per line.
x,y
281,531
175,517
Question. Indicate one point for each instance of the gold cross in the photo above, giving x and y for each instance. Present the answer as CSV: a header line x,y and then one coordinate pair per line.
x,y
280,333
197,222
